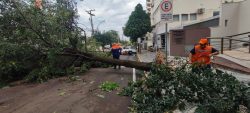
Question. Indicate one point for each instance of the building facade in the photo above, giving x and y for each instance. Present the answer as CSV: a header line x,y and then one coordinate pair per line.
x,y
184,12
234,19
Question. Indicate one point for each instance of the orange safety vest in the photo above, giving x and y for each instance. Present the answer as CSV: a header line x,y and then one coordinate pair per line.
x,y
201,56
116,46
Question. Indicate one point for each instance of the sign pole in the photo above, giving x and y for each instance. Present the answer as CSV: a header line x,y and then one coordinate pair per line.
x,y
166,41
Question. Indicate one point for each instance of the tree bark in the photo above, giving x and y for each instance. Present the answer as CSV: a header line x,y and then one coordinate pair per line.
x,y
126,63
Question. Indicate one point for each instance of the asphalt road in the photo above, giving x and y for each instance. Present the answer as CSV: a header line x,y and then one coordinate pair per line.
x,y
127,57
62,96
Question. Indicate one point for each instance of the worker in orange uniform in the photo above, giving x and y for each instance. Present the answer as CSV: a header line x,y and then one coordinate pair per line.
x,y
201,54
116,52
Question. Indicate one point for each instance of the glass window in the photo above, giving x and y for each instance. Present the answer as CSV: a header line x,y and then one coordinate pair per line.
x,y
184,17
226,22
193,16
176,17
216,13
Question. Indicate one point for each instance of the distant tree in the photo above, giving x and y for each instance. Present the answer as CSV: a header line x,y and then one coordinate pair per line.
x,y
106,38
138,24
125,43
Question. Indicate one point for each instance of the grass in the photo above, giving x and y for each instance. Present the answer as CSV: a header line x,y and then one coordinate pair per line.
x,y
109,86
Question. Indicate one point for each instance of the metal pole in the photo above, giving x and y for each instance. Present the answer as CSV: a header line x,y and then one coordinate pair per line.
x,y
222,45
230,44
85,39
249,43
166,42
92,25
91,20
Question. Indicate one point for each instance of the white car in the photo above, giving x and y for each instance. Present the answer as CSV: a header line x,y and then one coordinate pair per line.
x,y
128,50
107,46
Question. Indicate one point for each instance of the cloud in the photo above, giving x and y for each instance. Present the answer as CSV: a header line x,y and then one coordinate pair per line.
x,y
114,12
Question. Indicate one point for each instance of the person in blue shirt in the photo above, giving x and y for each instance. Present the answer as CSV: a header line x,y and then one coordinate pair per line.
x,y
116,52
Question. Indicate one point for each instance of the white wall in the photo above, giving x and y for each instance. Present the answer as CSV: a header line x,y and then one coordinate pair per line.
x,y
244,17
230,12
181,7
238,17
186,7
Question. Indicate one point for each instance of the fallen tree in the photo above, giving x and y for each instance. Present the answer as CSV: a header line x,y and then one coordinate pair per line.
x,y
126,63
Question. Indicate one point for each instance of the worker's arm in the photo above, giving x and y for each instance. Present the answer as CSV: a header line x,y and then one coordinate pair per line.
x,y
192,52
214,52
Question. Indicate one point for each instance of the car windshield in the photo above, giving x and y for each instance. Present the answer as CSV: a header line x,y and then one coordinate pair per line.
x,y
126,48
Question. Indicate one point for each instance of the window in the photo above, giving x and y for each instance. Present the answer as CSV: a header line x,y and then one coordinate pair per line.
x,y
193,16
226,22
216,13
176,18
184,17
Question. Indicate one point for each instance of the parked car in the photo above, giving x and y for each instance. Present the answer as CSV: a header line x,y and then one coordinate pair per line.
x,y
107,47
128,50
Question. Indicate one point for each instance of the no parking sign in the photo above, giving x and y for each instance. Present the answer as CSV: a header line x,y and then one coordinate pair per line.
x,y
166,10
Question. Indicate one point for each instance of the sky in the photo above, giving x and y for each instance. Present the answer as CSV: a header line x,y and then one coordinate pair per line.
x,y
109,14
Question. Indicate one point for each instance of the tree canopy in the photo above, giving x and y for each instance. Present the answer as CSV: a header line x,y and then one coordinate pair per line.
x,y
30,37
106,38
138,24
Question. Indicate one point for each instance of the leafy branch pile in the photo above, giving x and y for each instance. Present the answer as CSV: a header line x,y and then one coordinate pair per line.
x,y
166,90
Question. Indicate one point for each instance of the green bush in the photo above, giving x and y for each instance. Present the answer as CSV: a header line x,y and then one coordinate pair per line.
x,y
38,75
16,61
84,68
167,89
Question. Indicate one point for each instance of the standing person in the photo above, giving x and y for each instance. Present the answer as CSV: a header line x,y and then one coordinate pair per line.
x,y
116,52
201,54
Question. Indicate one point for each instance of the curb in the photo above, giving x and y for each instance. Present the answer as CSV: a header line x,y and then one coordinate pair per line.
x,y
218,65
226,64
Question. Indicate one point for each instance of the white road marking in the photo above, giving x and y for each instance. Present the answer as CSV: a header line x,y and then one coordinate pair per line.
x,y
134,75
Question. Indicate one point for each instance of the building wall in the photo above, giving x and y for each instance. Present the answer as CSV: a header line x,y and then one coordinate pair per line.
x,y
190,37
205,24
244,17
181,7
237,16
230,14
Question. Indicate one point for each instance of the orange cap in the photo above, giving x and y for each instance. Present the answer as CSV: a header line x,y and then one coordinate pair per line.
x,y
203,41
115,46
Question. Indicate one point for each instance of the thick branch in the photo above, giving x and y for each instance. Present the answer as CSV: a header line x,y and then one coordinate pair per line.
x,y
127,63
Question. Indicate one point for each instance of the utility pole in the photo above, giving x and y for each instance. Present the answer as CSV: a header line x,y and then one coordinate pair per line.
x,y
91,20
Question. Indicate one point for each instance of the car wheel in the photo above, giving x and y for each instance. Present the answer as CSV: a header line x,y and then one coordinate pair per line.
x,y
130,53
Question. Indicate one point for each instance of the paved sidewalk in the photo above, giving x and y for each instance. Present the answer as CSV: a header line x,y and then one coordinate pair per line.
x,y
146,56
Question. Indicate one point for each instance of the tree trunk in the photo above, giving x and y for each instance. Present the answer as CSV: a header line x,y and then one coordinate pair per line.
x,y
126,63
